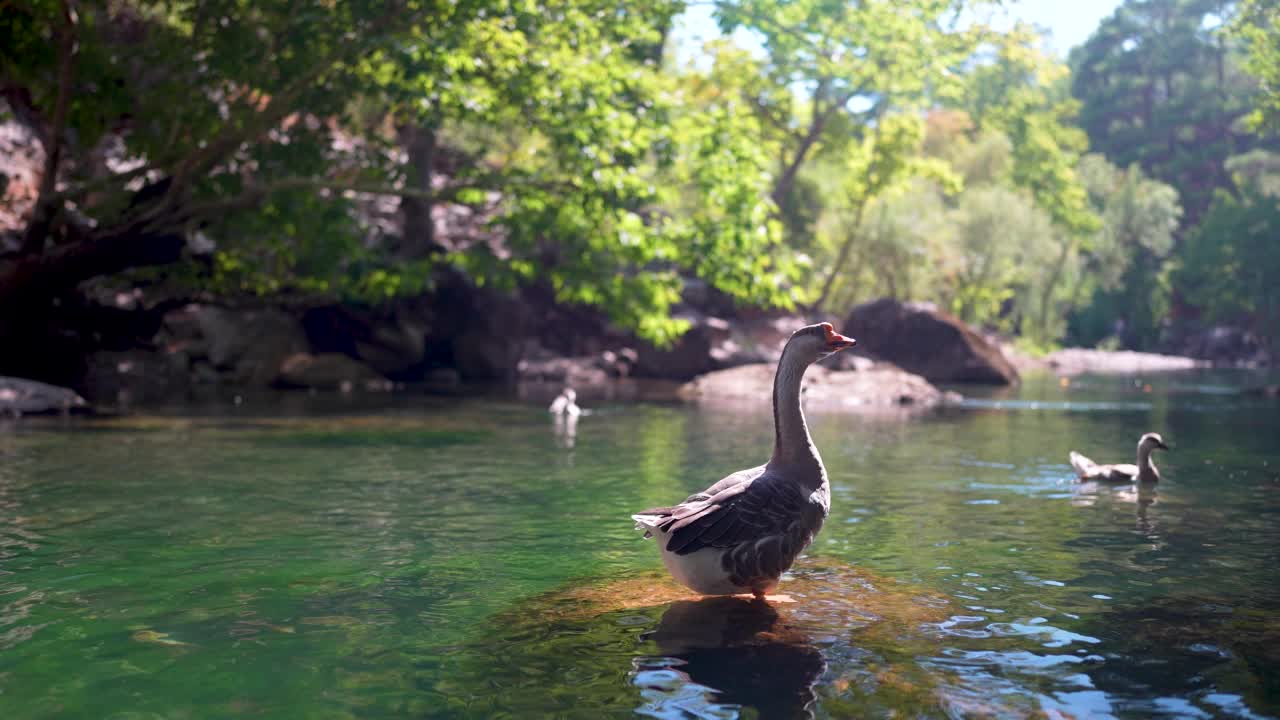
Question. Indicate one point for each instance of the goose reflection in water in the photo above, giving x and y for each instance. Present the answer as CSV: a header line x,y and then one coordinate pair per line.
x,y
565,428
719,655
1141,495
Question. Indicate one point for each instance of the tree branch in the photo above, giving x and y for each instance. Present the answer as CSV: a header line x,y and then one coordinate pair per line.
x,y
256,194
45,208
277,108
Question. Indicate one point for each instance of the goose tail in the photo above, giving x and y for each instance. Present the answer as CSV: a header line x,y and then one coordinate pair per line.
x,y
651,521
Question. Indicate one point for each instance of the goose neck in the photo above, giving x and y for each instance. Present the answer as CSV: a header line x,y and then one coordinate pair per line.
x,y
792,444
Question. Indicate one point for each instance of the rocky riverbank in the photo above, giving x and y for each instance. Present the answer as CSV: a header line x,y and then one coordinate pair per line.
x,y
117,349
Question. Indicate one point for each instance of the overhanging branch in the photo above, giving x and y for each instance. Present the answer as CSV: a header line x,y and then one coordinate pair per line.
x,y
46,208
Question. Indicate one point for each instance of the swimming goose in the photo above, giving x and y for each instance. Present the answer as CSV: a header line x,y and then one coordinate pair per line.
x,y
565,404
741,534
1144,471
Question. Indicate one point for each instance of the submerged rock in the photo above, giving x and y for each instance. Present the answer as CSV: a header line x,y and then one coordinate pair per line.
x,y
19,397
921,339
878,388
690,655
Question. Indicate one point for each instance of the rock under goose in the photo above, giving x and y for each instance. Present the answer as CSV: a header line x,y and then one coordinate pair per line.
x,y
743,532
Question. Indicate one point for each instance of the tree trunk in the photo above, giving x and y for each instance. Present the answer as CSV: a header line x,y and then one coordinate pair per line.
x,y
46,209
1049,284
787,180
841,258
419,141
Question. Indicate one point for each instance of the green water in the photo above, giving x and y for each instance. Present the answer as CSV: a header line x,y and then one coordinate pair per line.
x,y
447,557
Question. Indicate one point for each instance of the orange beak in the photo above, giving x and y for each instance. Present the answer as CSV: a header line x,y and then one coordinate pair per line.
x,y
835,341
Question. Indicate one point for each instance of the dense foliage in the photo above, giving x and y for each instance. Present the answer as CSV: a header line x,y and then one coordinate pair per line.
x,y
845,151
266,127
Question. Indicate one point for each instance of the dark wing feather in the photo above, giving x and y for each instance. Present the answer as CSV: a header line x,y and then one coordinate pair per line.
x,y
748,512
742,477
762,522
762,525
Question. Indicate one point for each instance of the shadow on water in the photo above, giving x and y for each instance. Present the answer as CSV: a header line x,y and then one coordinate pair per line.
x,y
723,653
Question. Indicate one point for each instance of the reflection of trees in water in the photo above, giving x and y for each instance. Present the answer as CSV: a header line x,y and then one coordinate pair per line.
x,y
723,653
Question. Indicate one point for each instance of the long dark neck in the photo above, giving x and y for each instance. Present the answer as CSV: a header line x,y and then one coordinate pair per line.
x,y
792,446
1146,469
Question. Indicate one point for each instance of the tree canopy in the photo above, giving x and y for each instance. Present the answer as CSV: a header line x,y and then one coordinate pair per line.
x,y
265,126
355,151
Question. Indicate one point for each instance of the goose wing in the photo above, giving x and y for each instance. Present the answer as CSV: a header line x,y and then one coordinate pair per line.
x,y
654,518
1124,472
1083,465
760,522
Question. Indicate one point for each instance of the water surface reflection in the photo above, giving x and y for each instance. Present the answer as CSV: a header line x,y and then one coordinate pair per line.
x,y
721,654
467,557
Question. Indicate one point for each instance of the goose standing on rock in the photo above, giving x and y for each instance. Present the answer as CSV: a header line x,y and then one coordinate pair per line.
x,y
739,535
1144,471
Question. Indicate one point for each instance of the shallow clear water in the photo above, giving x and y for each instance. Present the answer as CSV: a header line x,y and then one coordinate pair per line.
x,y
316,557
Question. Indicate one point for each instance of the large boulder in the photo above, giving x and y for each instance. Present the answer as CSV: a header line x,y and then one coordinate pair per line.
x,y
541,365
481,332
713,343
878,388
251,345
19,397
700,350
921,339
391,339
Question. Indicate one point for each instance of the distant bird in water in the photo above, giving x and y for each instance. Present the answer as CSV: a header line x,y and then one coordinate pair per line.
x,y
1144,471
564,412
565,404
739,535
